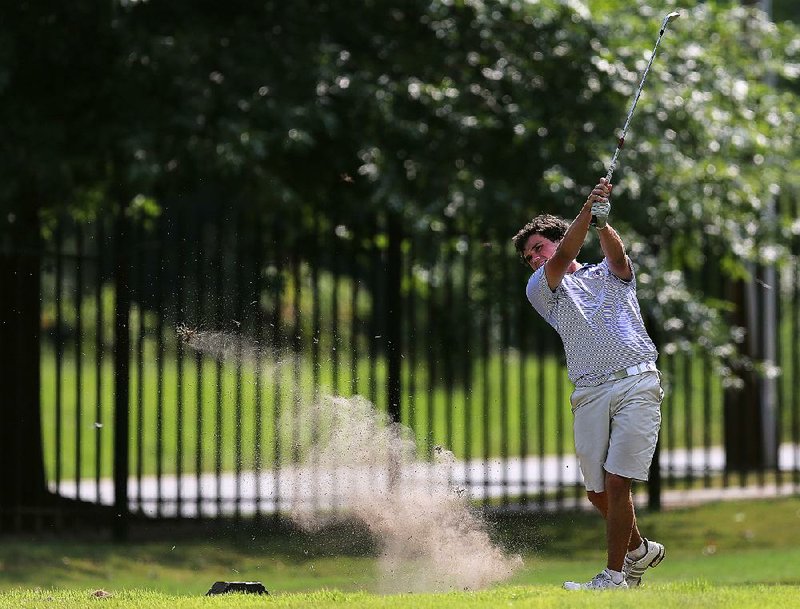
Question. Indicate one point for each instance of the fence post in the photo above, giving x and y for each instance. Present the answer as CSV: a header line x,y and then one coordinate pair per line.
x,y
393,324
394,315
743,431
23,491
654,483
122,306
654,486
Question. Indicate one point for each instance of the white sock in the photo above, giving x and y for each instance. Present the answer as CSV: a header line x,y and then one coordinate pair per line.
x,y
639,552
616,576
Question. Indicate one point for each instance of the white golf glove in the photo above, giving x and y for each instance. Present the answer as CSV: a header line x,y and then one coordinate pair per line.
x,y
600,210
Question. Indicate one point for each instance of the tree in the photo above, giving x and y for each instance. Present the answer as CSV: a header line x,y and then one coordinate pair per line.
x,y
50,94
466,115
731,96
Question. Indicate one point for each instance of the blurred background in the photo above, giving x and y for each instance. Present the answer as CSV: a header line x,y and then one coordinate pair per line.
x,y
214,214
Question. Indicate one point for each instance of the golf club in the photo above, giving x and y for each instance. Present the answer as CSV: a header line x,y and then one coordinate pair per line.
x,y
621,141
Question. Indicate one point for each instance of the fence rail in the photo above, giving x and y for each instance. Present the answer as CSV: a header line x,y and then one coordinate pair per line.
x,y
186,360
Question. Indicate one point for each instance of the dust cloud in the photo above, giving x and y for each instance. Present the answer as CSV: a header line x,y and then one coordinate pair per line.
x,y
430,537
355,463
224,346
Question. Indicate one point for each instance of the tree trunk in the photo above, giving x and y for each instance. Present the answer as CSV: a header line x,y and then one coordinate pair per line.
x,y
744,449
22,490
747,409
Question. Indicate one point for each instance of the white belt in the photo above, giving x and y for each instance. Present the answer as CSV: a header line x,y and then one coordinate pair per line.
x,y
631,370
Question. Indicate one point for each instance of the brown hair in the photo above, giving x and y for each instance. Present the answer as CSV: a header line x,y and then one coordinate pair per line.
x,y
548,226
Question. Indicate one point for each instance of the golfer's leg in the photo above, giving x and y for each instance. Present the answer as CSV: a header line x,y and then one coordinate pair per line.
x,y
619,519
590,409
634,433
600,501
636,536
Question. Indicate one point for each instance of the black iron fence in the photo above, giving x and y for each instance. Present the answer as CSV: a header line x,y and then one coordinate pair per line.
x,y
182,357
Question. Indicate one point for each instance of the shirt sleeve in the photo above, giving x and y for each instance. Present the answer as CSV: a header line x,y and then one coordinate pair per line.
x,y
631,282
540,295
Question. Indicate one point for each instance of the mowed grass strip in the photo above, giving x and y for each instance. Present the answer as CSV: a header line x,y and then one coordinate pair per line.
x,y
667,596
200,414
723,544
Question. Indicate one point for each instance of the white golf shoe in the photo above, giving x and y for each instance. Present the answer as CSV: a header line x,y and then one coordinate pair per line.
x,y
634,569
601,581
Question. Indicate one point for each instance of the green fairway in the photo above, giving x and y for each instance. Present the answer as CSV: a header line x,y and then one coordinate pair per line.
x,y
725,552
511,408
667,596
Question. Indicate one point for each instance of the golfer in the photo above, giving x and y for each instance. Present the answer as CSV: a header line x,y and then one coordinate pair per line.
x,y
612,362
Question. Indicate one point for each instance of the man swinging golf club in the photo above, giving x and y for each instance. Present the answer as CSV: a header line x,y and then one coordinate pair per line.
x,y
610,359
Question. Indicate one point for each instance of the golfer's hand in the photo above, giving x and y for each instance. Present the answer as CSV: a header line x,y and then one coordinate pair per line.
x,y
601,206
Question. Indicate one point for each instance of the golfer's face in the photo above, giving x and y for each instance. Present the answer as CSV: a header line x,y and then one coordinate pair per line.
x,y
538,250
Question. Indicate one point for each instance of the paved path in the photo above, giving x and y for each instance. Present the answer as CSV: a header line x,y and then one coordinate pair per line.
x,y
267,491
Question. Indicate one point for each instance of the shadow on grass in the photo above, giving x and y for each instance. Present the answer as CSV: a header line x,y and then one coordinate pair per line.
x,y
196,544
193,544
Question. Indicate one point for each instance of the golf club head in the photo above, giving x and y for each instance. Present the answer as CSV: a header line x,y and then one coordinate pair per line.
x,y
671,17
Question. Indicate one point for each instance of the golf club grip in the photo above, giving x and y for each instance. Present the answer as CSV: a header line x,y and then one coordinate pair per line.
x,y
610,173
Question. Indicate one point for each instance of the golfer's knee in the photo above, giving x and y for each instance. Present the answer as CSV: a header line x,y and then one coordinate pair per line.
x,y
598,500
617,486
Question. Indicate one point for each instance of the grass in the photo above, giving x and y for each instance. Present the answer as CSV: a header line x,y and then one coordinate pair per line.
x,y
737,554
698,594
511,408
165,412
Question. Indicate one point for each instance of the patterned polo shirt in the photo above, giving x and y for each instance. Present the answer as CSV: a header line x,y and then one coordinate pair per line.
x,y
598,318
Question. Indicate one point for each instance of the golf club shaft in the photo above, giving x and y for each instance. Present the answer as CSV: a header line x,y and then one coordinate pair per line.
x,y
621,142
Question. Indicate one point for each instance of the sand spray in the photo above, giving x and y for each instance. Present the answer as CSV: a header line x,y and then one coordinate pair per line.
x,y
429,536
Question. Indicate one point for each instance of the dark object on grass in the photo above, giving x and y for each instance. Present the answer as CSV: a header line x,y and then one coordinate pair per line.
x,y
241,587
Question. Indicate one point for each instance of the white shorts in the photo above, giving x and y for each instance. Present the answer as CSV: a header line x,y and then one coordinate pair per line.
x,y
616,427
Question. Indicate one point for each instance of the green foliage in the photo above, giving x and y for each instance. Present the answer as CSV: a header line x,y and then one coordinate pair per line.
x,y
439,111
463,115
58,96
443,111
473,116
710,158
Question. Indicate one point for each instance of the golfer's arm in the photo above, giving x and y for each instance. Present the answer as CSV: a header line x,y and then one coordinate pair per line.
x,y
614,250
556,267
